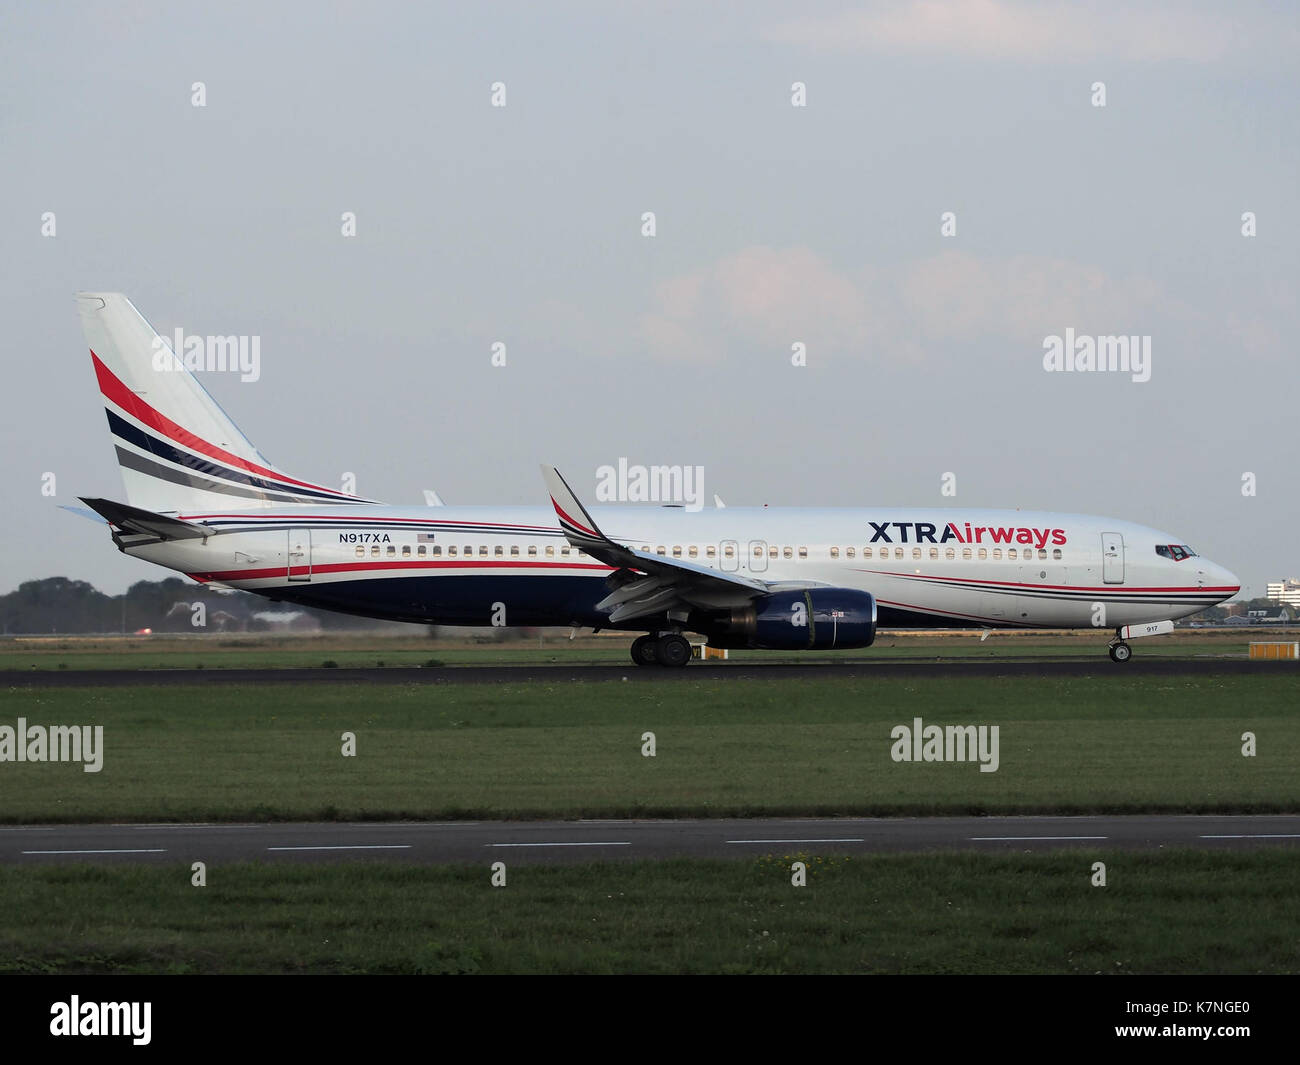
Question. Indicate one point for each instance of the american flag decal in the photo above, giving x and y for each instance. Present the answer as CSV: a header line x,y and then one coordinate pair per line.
x,y
424,538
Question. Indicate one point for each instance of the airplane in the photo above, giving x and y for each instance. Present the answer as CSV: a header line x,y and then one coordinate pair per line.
x,y
203,501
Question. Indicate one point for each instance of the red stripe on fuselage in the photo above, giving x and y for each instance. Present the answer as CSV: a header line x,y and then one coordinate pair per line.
x,y
397,563
972,581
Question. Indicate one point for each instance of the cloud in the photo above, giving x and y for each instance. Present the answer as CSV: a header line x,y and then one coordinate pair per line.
x,y
762,300
758,295
1024,30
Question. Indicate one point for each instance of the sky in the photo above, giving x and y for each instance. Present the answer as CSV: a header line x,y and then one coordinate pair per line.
x,y
953,185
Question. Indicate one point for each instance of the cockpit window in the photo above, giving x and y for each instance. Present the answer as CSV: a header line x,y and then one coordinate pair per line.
x,y
1177,552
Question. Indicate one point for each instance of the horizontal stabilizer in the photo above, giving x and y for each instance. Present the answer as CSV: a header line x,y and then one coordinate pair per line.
x,y
133,519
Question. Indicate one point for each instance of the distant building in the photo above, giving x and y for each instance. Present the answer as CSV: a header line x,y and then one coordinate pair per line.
x,y
1287,591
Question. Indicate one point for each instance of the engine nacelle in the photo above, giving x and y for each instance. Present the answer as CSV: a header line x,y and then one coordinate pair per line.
x,y
802,619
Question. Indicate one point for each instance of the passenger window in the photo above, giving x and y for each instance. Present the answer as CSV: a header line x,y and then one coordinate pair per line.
x,y
1056,553
451,550
361,551
965,553
729,551
374,551
694,552
661,550
1011,552
848,552
1042,554
916,553
949,553
934,552
898,552
711,551
803,552
482,550
787,552
514,550
550,550
772,552
500,551
435,550
997,554
984,553
421,551
532,550
406,550
392,550
866,552
835,552
564,551
469,551
677,550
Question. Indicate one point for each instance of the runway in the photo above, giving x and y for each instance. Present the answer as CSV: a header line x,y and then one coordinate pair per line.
x,y
531,842
1100,666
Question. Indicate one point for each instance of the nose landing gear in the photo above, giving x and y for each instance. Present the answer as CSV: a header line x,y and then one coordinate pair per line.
x,y
1121,651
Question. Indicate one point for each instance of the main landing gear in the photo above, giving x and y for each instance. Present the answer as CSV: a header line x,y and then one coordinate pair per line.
x,y
669,649
1120,652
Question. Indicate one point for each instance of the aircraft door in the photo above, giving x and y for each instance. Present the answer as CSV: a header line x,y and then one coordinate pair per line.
x,y
729,556
757,556
299,555
1112,558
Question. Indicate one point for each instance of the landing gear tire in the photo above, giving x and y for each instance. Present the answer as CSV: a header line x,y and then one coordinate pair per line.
x,y
673,650
1120,652
645,651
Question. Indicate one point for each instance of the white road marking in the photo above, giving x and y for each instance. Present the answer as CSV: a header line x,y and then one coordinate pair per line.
x,y
606,843
152,850
356,847
1004,839
796,841
1259,835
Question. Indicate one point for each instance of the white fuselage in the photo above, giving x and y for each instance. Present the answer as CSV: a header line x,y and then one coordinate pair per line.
x,y
924,566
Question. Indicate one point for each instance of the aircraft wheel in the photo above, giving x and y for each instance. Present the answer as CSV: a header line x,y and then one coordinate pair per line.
x,y
673,650
1120,652
645,651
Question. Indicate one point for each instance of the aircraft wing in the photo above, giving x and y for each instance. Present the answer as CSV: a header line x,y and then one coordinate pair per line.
x,y
652,583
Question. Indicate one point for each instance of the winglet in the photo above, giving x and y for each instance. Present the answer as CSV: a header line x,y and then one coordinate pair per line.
x,y
578,527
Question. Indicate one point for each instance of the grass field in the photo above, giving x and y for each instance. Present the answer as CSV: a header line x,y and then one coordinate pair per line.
x,y
1171,912
725,747
218,651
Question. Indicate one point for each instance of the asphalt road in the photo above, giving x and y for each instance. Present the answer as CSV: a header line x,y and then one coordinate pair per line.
x,y
569,841
1100,666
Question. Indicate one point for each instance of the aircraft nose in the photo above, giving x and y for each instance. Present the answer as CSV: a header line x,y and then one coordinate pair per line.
x,y
1221,577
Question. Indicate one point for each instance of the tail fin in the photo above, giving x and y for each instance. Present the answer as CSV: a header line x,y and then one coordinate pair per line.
x,y
178,450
